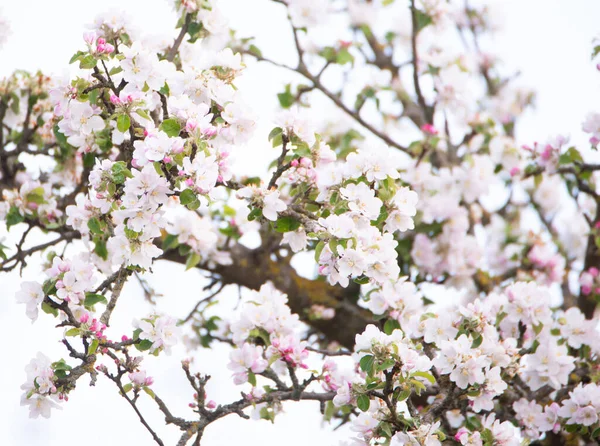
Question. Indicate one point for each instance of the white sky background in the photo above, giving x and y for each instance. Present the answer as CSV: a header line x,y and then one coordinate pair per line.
x,y
548,40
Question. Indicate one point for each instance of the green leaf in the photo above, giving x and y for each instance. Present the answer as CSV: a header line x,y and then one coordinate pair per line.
x,y
194,29
574,155
171,127
363,402
391,325
428,376
149,391
254,214
478,339
277,140
187,196
127,387
87,62
386,365
275,132
89,159
328,53
423,20
120,172
319,249
93,347
94,226
76,56
164,89
329,411
143,113
286,99
73,332
251,378
36,195
61,365
123,123
404,395
570,428
13,217
287,224
343,57
192,260
564,158
169,242
93,96
387,429
255,51
92,299
100,249
46,308
418,384
2,253
144,345
366,363
362,280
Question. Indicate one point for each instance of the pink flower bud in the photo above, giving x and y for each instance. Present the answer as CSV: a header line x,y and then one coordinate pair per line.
x,y
210,132
189,182
594,271
100,48
547,153
586,289
115,99
429,129
294,163
101,40
167,159
149,381
211,404
461,433
190,126
84,318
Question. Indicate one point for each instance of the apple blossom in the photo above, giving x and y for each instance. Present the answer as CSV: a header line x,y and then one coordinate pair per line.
x,y
442,300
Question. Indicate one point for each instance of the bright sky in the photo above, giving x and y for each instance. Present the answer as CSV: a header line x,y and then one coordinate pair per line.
x,y
548,40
